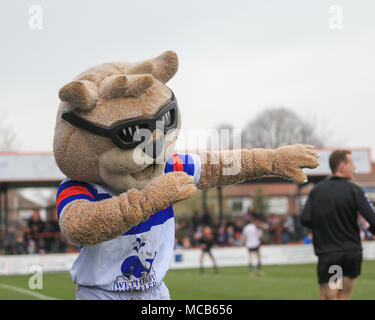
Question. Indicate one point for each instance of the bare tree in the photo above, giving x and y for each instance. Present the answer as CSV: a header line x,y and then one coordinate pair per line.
x,y
7,137
220,137
278,127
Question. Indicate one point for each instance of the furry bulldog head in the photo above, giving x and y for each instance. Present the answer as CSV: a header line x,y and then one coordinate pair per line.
x,y
117,123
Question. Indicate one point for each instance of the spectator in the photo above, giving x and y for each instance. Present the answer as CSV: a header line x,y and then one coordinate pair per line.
x,y
287,229
9,241
273,226
20,245
182,229
186,243
37,226
195,220
177,244
231,237
35,223
31,247
237,229
298,228
27,239
52,228
248,215
207,219
308,239
197,236
215,229
222,234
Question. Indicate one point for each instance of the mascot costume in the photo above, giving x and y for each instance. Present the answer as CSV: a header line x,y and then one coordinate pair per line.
x,y
115,133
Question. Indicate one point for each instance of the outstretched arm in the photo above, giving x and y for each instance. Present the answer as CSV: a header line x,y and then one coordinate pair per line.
x,y
234,166
87,223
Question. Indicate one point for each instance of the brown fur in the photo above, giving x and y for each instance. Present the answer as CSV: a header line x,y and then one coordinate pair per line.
x,y
113,92
80,94
88,223
230,167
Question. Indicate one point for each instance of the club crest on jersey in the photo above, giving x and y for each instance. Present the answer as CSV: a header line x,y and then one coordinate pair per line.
x,y
137,273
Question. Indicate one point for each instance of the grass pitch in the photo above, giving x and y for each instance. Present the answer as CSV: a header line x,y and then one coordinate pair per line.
x,y
292,282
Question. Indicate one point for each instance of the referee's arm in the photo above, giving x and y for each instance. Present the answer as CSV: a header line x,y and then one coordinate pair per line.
x,y
306,215
366,208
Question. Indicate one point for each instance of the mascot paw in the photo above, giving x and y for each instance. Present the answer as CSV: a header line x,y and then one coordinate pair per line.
x,y
289,160
170,188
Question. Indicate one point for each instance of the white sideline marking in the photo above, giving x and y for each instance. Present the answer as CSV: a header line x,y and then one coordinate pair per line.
x,y
27,292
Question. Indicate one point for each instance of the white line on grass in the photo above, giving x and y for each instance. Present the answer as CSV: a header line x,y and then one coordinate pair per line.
x,y
27,292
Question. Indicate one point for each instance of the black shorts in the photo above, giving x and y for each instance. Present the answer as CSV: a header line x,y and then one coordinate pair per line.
x,y
350,262
256,249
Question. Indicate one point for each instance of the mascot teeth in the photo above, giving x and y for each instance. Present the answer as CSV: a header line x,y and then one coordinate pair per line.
x,y
167,118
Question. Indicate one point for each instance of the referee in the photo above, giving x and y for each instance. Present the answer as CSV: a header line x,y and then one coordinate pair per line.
x,y
331,211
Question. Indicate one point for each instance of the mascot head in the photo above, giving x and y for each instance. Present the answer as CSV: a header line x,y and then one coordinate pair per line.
x,y
117,123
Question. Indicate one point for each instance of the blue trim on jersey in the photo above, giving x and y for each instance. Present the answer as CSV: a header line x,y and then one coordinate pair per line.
x,y
188,164
158,218
169,166
102,196
187,161
67,200
73,183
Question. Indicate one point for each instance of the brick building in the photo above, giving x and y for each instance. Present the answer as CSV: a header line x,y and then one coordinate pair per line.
x,y
284,197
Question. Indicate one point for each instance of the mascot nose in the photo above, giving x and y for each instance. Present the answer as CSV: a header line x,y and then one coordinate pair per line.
x,y
154,148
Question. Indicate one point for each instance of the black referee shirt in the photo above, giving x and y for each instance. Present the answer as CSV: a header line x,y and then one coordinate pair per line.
x,y
331,211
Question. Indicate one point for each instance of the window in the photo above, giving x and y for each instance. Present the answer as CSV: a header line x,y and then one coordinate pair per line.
x,y
237,205
278,205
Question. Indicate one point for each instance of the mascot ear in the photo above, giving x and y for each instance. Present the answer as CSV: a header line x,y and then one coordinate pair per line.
x,y
144,67
81,94
165,66
138,84
125,86
113,87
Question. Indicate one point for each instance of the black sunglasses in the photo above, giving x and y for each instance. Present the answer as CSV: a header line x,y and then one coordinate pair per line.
x,y
132,132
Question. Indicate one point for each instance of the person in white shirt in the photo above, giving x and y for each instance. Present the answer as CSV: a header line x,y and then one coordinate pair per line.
x,y
251,236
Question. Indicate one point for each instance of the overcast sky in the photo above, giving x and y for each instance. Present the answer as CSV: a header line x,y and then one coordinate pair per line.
x,y
237,58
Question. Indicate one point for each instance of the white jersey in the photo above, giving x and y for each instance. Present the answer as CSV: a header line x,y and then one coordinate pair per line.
x,y
140,258
252,235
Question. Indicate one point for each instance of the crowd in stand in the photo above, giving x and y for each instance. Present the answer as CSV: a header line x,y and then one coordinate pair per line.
x,y
41,237
227,231
36,236
277,229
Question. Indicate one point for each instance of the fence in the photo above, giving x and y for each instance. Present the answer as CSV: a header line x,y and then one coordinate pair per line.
x,y
183,258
